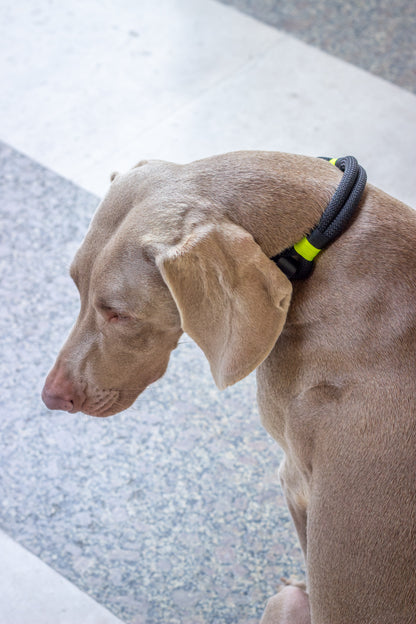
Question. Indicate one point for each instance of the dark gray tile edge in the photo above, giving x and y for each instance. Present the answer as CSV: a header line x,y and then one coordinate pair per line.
x,y
168,512
378,36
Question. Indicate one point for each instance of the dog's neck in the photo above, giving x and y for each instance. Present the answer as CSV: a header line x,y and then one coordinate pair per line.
x,y
347,303
277,198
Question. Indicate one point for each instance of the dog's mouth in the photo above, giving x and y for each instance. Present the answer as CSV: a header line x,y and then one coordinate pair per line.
x,y
107,403
103,403
63,394
110,402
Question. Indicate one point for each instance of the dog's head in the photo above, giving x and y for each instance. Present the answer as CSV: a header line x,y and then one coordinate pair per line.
x,y
154,264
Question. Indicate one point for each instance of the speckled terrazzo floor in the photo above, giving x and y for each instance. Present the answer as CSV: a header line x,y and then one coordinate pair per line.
x,y
377,35
168,513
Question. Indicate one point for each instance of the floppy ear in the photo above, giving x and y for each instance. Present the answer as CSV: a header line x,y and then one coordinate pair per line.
x,y
232,299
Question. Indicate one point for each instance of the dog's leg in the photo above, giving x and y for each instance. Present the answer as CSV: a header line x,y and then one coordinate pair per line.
x,y
289,606
295,491
291,603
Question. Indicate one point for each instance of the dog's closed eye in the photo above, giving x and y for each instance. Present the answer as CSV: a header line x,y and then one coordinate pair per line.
x,y
116,317
112,315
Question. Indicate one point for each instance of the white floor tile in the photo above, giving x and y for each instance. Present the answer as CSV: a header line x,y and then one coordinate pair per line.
x,y
32,593
295,98
93,87
187,80
83,79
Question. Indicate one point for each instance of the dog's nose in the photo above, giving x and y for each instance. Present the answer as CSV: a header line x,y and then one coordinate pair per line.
x,y
56,402
59,392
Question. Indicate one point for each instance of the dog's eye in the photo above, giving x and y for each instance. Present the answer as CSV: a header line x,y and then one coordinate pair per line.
x,y
111,315
116,317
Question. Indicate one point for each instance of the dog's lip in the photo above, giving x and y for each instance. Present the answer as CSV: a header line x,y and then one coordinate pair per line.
x,y
104,414
153,379
120,403
89,411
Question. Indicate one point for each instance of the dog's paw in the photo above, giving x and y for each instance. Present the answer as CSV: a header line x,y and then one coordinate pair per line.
x,y
289,606
293,583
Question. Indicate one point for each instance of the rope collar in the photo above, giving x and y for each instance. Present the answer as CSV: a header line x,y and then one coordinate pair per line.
x,y
297,262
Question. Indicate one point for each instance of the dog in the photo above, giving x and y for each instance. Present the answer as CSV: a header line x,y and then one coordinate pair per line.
x,y
187,248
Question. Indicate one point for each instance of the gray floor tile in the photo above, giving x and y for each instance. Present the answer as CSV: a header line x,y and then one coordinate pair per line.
x,y
168,512
377,35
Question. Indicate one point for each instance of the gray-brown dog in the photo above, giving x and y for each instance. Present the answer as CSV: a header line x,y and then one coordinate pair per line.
x,y
176,248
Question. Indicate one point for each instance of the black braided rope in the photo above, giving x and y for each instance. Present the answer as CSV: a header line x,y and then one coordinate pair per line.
x,y
349,166
341,221
334,220
344,201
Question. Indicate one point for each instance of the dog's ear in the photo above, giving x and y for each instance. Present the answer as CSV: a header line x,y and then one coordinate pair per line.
x,y
232,299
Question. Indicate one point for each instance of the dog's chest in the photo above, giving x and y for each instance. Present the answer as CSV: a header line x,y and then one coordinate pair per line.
x,y
279,381
293,395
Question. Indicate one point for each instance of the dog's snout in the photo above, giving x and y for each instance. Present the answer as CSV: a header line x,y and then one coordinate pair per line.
x,y
59,392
